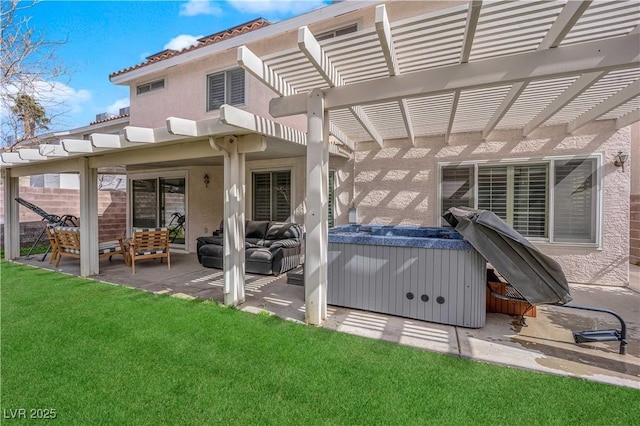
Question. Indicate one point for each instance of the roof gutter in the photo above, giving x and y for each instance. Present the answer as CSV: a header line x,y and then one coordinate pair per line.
x,y
273,29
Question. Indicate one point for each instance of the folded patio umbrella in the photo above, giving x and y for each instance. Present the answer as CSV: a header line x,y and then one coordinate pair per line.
x,y
537,277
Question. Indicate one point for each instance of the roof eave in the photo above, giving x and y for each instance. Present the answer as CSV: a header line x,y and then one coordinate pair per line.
x,y
269,31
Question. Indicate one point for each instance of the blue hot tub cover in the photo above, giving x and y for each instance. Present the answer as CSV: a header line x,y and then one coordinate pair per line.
x,y
537,277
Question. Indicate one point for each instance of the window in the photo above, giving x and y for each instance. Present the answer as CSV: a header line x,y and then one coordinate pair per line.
x,y
226,87
338,32
556,200
148,87
272,196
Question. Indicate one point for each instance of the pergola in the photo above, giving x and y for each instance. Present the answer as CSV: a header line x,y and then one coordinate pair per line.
x,y
476,67
232,138
471,68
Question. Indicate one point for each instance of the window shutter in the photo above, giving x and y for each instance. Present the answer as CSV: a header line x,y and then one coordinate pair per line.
x,y
492,190
261,196
235,86
530,200
281,194
331,200
575,200
457,187
216,91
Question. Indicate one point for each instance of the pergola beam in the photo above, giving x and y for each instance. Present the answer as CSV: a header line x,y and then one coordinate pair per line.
x,y
254,66
317,57
470,30
31,154
628,119
108,141
148,135
612,102
504,107
383,29
251,63
568,17
12,158
452,115
50,150
576,89
341,136
602,55
73,146
197,128
248,122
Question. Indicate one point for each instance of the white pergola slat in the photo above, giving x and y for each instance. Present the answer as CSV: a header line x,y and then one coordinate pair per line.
x,y
383,28
319,59
628,119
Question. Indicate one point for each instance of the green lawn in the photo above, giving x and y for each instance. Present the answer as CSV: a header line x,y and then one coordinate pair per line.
x,y
97,353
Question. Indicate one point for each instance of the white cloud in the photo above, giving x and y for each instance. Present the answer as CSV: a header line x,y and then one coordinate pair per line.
x,y
182,41
114,108
200,7
276,7
55,96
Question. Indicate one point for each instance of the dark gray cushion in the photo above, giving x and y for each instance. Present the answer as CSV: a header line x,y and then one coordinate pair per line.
x,y
256,229
283,231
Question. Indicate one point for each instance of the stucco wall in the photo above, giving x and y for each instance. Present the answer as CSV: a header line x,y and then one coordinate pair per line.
x,y
634,167
398,185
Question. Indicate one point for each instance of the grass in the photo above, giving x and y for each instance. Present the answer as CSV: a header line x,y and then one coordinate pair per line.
x,y
104,354
40,248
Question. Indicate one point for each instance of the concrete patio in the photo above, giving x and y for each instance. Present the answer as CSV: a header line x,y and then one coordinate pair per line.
x,y
544,345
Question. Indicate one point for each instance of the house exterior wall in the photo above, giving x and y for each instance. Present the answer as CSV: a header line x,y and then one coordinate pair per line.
x,y
634,165
398,184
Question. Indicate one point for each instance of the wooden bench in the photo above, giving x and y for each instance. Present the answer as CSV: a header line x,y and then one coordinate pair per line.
x,y
67,242
149,243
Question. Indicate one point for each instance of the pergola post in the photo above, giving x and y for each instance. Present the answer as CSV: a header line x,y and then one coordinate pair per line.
x,y
89,259
11,216
315,267
234,192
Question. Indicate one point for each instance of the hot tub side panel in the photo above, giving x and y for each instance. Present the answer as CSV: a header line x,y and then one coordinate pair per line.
x,y
437,285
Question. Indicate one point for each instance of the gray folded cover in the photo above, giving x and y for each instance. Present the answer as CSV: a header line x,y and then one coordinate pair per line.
x,y
537,277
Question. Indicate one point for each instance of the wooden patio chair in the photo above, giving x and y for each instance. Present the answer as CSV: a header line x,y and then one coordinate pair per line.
x,y
149,243
52,242
67,241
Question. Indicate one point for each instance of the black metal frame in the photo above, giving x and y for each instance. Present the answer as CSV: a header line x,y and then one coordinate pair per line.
x,y
51,219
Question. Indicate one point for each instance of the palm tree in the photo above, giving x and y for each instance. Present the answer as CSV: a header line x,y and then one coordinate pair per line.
x,y
31,113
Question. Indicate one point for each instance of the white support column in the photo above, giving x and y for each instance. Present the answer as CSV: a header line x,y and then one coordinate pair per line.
x,y
89,264
234,191
325,216
315,262
11,216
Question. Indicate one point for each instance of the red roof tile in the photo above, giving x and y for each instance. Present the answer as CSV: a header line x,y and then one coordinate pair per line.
x,y
202,42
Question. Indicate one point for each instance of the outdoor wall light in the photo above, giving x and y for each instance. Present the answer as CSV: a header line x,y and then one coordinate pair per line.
x,y
206,180
621,158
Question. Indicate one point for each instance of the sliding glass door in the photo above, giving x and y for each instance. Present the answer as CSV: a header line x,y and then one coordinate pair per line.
x,y
160,202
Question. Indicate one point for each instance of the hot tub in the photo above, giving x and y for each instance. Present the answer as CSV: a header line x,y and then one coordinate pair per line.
x,y
425,273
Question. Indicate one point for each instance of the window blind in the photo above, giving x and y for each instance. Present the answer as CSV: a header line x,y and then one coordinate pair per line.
x,y
235,87
575,200
492,190
457,187
272,196
216,91
261,196
281,196
530,200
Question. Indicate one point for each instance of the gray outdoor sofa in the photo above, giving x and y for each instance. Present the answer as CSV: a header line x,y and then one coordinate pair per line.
x,y
271,248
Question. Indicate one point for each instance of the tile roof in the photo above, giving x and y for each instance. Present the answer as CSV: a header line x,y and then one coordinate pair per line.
x,y
115,117
202,42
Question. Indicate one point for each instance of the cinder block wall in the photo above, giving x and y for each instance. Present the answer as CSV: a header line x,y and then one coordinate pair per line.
x,y
112,211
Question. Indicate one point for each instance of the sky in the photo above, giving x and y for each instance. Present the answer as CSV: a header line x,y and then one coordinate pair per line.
x,y
107,36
